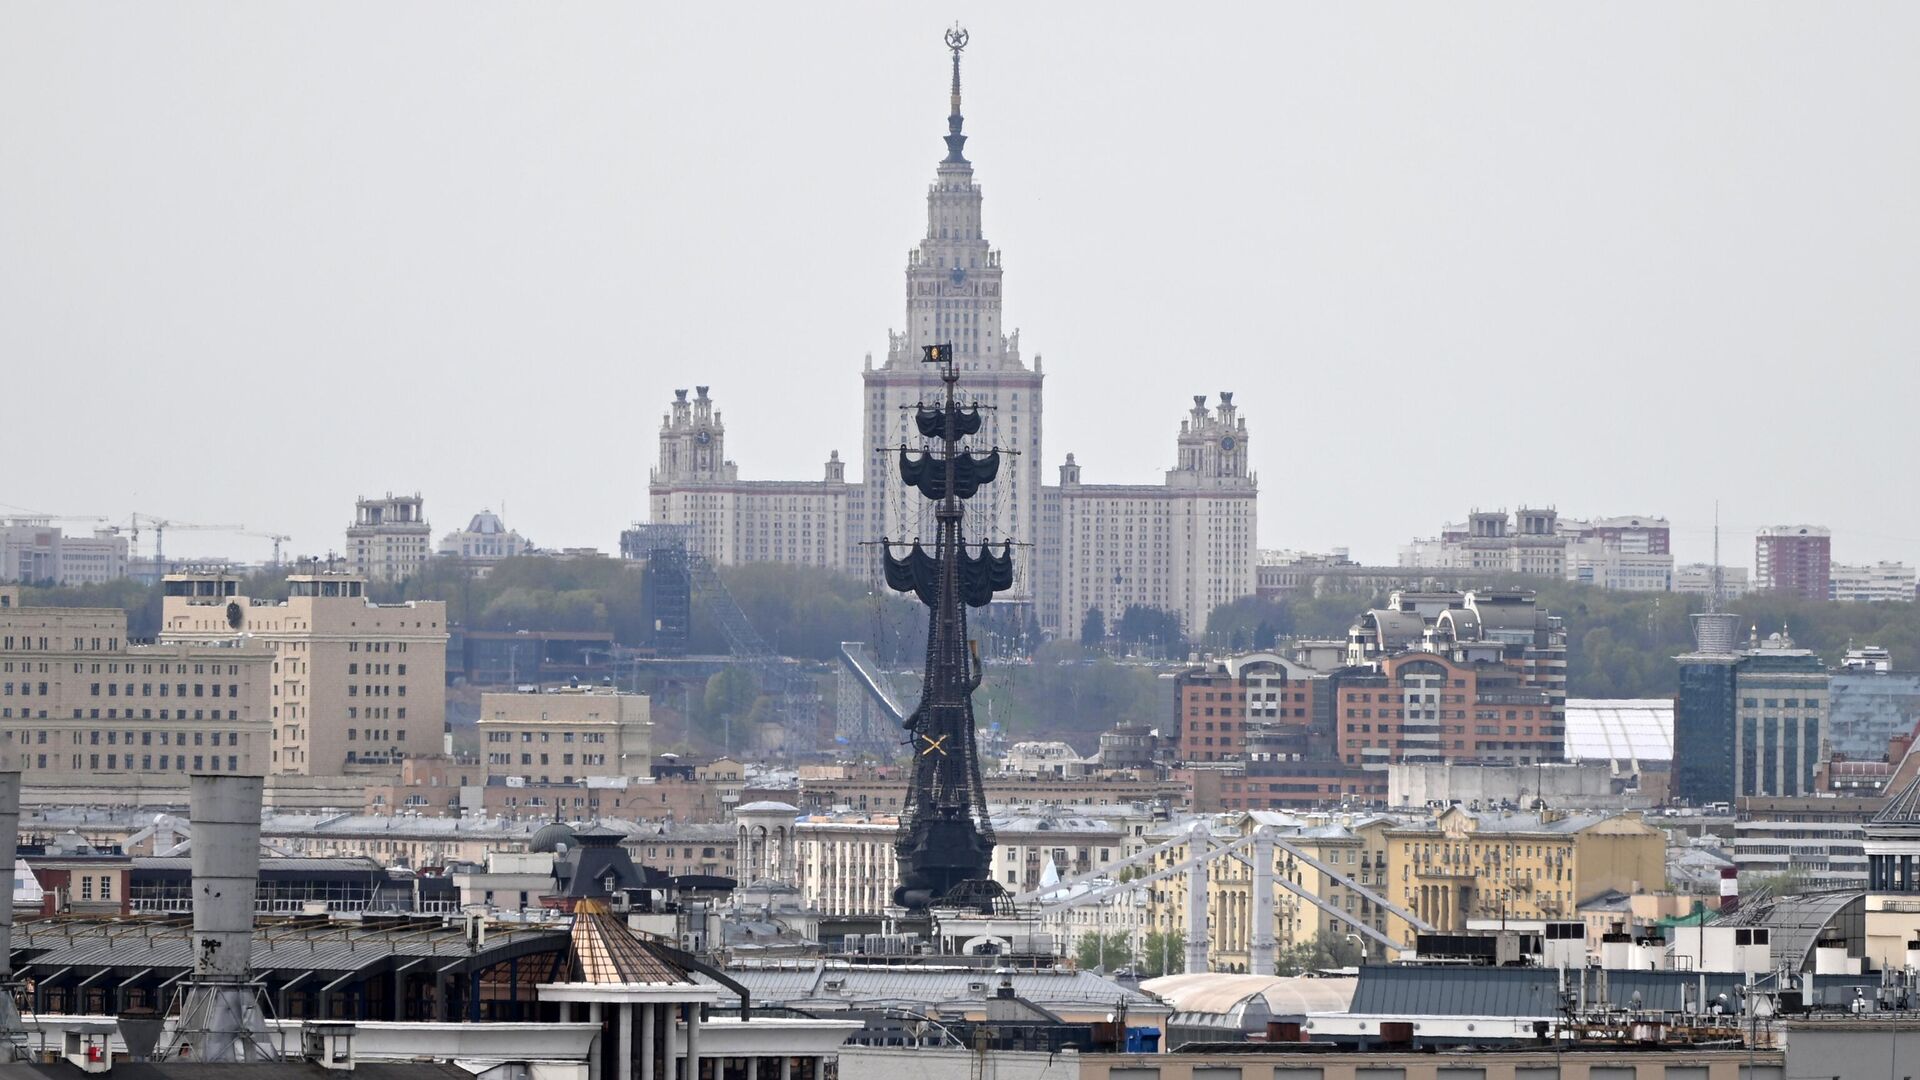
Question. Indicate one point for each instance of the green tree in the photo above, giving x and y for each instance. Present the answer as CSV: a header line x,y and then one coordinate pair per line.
x,y
1093,629
1151,630
726,706
1163,953
1106,951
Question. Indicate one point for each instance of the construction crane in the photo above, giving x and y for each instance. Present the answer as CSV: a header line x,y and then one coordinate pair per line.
x,y
35,515
277,538
160,525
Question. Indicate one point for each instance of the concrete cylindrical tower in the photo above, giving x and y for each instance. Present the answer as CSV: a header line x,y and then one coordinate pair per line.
x,y
9,842
226,874
10,1027
222,1019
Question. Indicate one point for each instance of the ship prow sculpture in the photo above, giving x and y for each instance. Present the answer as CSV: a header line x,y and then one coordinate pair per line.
x,y
945,845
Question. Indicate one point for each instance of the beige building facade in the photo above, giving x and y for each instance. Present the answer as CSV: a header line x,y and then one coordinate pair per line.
x,y
1444,869
389,540
354,683
80,706
564,736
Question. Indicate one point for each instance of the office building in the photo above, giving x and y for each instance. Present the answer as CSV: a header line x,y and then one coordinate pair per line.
x,y
83,707
1747,721
1870,704
564,736
353,683
34,551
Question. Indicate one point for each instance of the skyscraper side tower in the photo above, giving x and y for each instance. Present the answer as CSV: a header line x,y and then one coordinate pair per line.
x,y
953,279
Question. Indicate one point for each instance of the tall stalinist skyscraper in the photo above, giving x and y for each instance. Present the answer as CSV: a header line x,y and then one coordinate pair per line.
x,y
953,295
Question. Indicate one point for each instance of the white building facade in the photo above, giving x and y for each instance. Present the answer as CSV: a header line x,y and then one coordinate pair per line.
x,y
34,551
1186,545
1872,583
739,521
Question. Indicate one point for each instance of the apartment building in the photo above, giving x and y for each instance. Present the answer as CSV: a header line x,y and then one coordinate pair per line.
x,y
353,682
1795,559
1219,704
82,706
1426,707
564,736
1631,552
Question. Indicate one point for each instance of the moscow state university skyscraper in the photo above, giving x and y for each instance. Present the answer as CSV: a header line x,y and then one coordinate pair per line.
x,y
953,295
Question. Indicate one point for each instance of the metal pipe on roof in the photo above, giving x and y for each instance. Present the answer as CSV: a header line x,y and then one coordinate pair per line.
x,y
222,1015
9,841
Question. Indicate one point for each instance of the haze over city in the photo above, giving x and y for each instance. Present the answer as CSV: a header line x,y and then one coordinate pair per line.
x,y
1018,542
1623,260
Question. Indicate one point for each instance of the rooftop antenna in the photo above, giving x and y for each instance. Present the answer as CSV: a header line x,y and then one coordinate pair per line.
x,y
1715,594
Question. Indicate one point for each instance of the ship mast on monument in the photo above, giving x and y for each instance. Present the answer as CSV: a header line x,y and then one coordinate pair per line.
x,y
945,844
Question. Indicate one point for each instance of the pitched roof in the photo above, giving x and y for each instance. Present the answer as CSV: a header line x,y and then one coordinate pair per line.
x,y
1903,808
602,950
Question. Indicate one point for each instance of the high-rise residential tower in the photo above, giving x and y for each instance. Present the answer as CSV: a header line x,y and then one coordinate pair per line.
x,y
1796,559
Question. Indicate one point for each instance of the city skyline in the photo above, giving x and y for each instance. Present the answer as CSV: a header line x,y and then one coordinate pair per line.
x,y
421,286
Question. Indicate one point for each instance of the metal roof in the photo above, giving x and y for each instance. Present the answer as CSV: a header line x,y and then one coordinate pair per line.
x,y
1619,729
605,951
1286,995
1797,922
1411,991
294,944
291,863
820,986
251,1070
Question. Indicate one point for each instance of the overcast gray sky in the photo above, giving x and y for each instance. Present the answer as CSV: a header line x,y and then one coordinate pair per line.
x,y
256,259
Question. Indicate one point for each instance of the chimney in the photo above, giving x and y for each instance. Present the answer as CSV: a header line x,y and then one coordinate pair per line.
x,y
222,1019
10,837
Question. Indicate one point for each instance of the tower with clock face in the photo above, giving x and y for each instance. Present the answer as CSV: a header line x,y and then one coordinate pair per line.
x,y
953,280
693,442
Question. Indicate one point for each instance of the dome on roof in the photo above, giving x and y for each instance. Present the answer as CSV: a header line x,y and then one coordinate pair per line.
x,y
768,807
550,836
486,523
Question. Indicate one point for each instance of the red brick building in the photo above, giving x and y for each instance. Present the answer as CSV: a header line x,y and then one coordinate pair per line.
x,y
1794,559
1217,704
1421,706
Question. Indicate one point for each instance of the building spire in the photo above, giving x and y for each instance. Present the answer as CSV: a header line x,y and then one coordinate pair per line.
x,y
956,40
